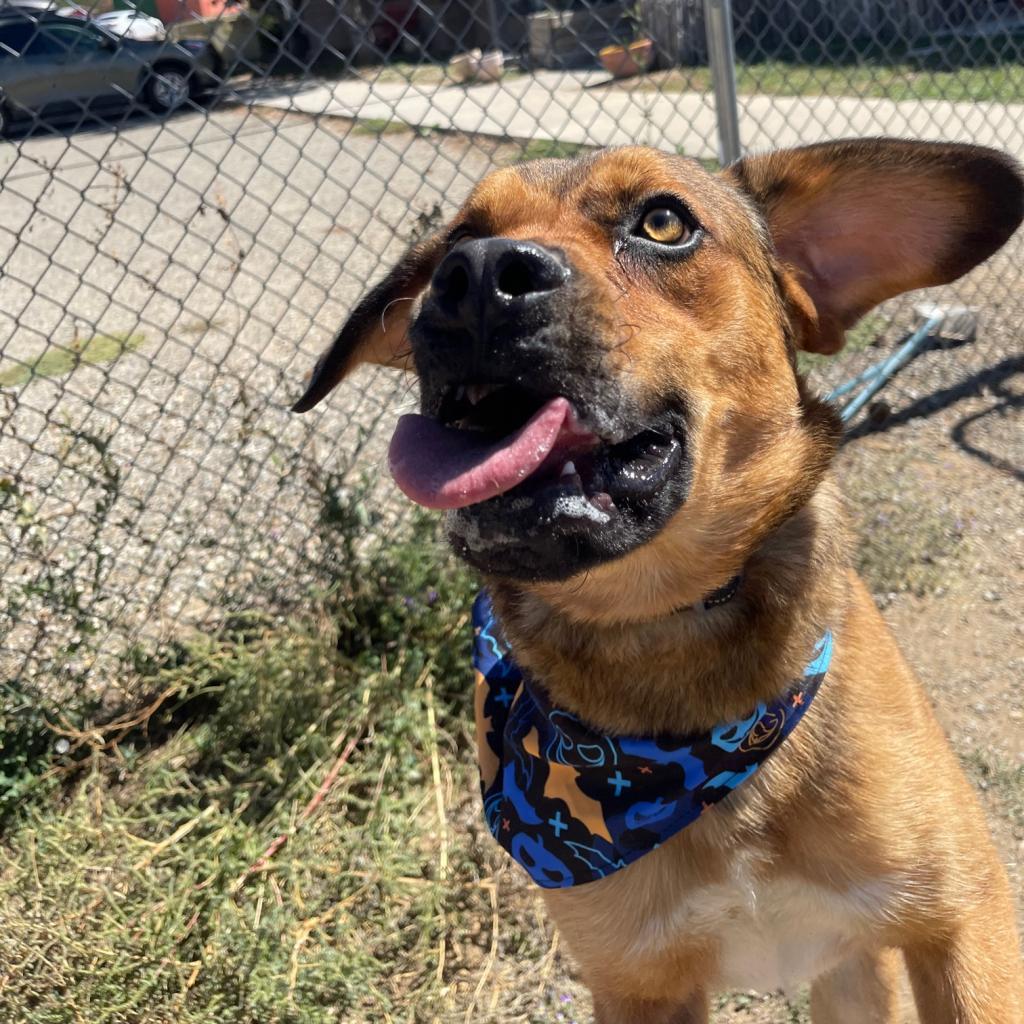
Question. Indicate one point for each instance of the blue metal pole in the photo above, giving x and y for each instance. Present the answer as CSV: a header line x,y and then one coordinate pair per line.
x,y
879,376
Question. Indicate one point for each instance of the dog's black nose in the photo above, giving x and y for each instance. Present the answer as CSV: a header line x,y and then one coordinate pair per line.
x,y
488,283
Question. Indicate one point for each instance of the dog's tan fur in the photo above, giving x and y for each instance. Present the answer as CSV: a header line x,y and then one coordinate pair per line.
x,y
860,836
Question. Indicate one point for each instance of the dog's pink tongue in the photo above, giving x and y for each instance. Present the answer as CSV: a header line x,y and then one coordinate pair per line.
x,y
441,467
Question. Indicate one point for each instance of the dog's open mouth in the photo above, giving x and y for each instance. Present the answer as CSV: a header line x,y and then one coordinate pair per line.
x,y
486,442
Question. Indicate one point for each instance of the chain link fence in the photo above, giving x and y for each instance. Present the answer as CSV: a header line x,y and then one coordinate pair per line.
x,y
194,194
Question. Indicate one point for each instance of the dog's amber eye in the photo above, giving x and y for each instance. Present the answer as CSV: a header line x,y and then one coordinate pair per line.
x,y
664,226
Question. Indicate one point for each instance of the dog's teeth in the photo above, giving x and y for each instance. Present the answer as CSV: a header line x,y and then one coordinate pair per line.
x,y
569,469
474,392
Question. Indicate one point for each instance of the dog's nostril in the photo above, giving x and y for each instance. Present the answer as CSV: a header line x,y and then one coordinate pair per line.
x,y
455,285
518,277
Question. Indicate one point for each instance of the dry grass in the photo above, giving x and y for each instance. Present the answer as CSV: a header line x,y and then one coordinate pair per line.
x,y
284,830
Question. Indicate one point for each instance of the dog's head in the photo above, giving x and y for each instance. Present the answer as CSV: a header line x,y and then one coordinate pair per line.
x,y
606,347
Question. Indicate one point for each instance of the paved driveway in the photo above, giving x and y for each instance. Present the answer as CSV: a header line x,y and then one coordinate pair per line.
x,y
222,250
583,107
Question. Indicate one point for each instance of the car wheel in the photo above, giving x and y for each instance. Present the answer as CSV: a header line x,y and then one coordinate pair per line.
x,y
167,89
5,119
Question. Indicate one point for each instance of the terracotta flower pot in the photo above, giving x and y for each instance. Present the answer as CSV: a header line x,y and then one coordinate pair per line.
x,y
626,61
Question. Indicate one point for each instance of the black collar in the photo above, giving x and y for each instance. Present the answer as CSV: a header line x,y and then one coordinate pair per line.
x,y
723,595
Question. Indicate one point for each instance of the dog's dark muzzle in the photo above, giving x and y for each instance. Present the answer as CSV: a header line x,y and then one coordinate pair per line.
x,y
510,341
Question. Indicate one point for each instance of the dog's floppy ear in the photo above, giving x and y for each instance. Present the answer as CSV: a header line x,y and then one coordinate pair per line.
x,y
376,329
857,222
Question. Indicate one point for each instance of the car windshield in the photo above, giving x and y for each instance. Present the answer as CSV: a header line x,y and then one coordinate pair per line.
x,y
52,40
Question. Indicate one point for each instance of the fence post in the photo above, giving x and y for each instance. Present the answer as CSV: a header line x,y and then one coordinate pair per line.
x,y
492,18
722,58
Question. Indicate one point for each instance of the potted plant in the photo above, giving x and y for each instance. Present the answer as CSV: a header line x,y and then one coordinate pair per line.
x,y
626,60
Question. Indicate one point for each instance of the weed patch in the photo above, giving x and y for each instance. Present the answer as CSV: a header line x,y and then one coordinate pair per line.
x,y
60,360
285,829
550,149
379,126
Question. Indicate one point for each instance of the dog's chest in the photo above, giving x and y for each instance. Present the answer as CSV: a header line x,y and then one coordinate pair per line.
x,y
769,938
764,933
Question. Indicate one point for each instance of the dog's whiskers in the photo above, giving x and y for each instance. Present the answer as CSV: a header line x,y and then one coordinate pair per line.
x,y
384,311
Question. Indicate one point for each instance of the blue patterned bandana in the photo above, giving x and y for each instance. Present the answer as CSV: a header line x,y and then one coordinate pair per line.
x,y
572,805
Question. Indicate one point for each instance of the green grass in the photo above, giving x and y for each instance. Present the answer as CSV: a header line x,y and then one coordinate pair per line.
x,y
554,149
551,149
379,126
894,80
710,164
885,81
60,360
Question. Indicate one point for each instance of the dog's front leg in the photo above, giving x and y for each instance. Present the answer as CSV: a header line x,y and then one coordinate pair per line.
x,y
862,990
612,1009
973,977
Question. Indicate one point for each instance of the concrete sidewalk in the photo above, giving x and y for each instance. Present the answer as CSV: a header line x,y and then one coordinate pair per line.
x,y
583,107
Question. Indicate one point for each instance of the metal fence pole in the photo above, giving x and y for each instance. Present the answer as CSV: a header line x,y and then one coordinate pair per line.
x,y
492,18
722,58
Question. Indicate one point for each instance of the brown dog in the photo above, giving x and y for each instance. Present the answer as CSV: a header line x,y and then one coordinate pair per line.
x,y
613,418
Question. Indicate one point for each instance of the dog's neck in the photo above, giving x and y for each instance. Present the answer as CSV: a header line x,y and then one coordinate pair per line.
x,y
693,669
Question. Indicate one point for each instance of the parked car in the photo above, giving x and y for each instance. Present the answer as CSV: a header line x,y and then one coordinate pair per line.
x,y
50,66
